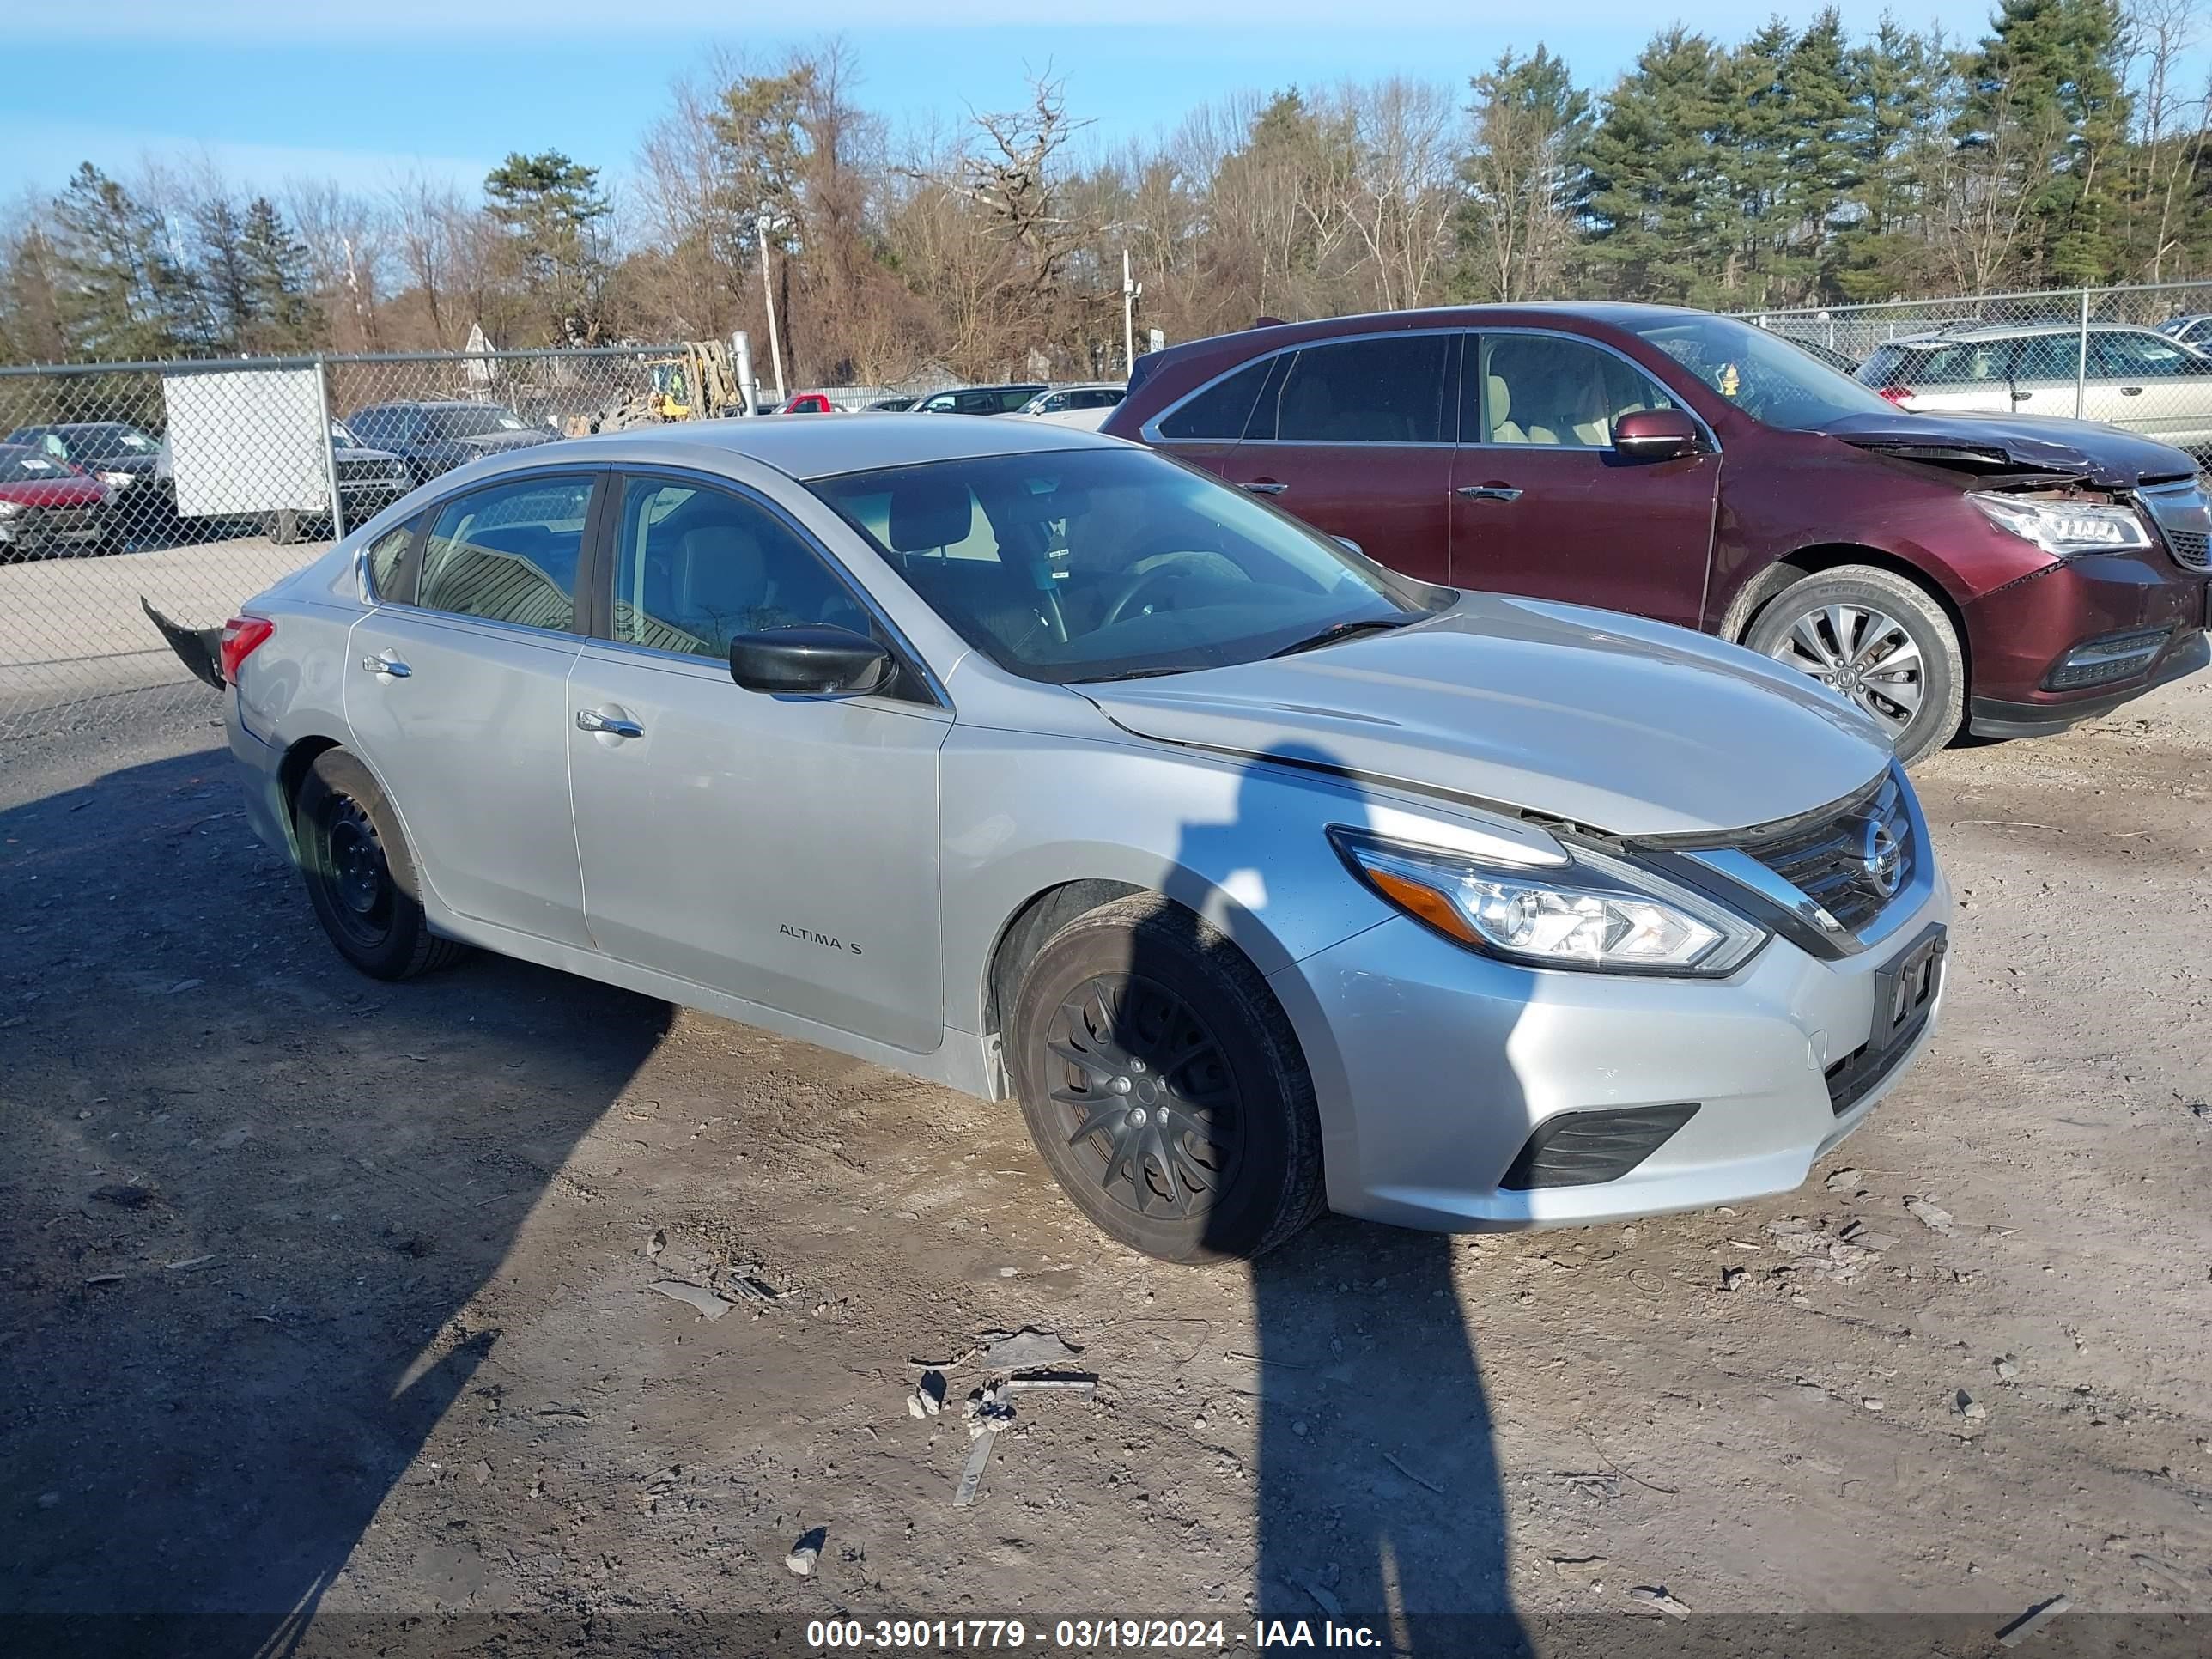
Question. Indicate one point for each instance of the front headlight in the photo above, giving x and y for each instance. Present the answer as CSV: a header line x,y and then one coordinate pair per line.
x,y
118,480
2063,527
1596,913
10,510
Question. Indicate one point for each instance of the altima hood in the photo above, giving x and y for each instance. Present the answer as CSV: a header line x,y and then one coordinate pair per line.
x,y
1624,725
2101,455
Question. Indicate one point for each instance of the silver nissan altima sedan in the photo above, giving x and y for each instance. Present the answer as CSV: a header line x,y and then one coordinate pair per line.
x,y
1028,761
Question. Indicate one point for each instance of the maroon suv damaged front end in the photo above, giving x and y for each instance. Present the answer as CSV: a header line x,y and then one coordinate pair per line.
x,y
1716,537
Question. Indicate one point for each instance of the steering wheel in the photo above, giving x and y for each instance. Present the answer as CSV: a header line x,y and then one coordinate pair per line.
x,y
1134,585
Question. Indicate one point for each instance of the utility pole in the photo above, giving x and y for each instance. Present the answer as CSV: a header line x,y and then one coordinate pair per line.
x,y
1130,290
767,292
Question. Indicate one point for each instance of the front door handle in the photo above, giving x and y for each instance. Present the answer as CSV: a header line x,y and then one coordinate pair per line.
x,y
387,664
591,719
2021,396
2131,391
1267,487
1488,492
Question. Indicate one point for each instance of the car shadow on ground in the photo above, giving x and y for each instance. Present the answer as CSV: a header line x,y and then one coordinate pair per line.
x,y
208,1399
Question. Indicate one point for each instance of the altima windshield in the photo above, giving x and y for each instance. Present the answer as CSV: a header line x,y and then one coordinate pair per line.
x,y
1093,564
1768,379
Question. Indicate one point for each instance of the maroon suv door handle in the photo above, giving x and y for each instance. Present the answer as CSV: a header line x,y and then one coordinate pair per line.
x,y
1488,492
2131,391
1266,487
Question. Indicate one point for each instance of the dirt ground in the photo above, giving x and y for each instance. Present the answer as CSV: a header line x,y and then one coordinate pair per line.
x,y
326,1304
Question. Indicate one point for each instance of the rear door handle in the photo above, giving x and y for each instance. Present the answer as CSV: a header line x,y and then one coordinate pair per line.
x,y
387,664
591,719
2021,396
2131,391
1267,487
1488,492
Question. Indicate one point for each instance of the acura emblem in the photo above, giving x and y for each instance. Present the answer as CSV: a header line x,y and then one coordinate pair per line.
x,y
1882,857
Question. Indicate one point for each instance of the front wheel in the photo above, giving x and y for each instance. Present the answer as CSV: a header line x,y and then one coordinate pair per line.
x,y
1882,642
361,877
1163,1085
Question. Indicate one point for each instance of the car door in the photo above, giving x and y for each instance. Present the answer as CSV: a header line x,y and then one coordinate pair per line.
x,y
1543,504
2151,385
781,849
456,695
1354,436
1973,377
2040,378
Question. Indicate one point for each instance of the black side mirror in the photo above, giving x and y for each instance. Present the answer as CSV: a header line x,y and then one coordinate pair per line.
x,y
1656,435
812,659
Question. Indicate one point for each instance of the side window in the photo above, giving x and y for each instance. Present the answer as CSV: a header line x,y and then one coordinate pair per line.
x,y
1054,403
940,404
387,554
1098,399
52,444
1218,413
1978,361
1008,402
367,425
1386,389
509,552
698,565
1543,389
2136,356
2048,357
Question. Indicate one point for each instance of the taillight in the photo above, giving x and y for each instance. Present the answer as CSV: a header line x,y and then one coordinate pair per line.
x,y
241,638
1896,394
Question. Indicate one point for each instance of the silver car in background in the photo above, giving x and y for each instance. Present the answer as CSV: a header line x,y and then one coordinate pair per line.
x,y
1034,764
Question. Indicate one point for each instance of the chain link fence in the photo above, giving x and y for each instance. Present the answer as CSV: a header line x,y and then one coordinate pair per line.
x,y
192,486
2137,357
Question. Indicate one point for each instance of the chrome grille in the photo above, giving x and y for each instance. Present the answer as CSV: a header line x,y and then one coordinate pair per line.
x,y
2184,519
1832,863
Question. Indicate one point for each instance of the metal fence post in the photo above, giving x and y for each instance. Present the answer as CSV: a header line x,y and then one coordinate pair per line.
x,y
2082,361
330,448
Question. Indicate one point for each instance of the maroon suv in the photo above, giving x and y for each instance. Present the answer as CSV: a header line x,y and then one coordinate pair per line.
x,y
2014,575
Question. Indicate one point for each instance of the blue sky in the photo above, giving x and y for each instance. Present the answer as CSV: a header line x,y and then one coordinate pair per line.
x,y
364,94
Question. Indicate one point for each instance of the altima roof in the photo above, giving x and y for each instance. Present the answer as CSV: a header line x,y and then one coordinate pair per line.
x,y
821,445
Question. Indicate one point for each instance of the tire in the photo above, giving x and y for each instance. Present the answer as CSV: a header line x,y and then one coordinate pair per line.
x,y
281,527
360,875
1800,627
1138,1013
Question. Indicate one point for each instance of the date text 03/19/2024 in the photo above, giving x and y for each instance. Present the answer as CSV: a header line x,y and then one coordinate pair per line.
x,y
1083,1635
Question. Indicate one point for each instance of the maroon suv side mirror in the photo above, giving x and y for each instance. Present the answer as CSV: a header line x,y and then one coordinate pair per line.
x,y
1656,434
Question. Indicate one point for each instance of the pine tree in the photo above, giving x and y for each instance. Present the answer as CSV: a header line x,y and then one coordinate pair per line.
x,y
1893,85
1523,177
222,274
123,293
549,207
1661,207
275,263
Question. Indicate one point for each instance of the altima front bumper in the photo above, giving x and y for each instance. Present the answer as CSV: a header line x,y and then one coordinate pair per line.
x,y
1435,1066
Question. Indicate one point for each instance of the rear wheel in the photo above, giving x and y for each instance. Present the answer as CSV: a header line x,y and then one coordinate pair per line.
x,y
281,527
1163,1085
1881,641
361,877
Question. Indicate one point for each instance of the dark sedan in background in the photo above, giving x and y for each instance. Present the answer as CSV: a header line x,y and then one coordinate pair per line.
x,y
2007,576
433,438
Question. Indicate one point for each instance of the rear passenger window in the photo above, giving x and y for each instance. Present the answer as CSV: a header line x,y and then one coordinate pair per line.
x,y
387,554
1218,413
508,553
2046,357
1389,389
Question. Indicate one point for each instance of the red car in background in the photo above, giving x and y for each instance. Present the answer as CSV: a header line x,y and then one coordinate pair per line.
x,y
45,502
809,403
2011,576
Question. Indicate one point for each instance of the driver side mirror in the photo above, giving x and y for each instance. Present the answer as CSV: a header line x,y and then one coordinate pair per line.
x,y
1656,434
812,659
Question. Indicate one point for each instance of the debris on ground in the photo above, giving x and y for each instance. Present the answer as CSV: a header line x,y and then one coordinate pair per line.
x,y
709,1305
806,1552
746,1283
2033,1621
1818,1251
1082,1382
127,1196
1655,1595
1843,1179
928,1396
1731,1278
1326,1602
971,1473
2006,1369
1935,1220
1968,1405
988,1410
1026,1350
1865,1238
1417,1479
658,1243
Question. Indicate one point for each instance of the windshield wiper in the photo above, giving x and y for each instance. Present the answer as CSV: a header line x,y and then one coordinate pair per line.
x,y
1135,674
1343,630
